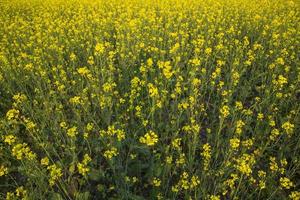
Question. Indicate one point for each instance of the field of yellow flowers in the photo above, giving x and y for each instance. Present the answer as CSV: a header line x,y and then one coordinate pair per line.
x,y
149,99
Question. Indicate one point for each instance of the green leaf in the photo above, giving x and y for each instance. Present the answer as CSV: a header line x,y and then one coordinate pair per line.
x,y
55,196
82,196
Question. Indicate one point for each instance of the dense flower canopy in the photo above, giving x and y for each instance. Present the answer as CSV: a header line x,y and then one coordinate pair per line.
x,y
149,99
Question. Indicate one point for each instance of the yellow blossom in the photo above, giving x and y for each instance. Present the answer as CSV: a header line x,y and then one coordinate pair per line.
x,y
45,161
295,195
84,71
12,114
112,152
150,138
55,173
224,111
76,100
10,139
234,143
206,154
3,170
156,182
72,132
286,183
21,151
153,91
288,127
82,167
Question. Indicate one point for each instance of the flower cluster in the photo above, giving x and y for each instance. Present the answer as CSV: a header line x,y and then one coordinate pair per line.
x,y
150,138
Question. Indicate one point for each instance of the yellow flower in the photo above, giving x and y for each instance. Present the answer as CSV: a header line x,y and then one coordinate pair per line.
x,y
113,132
72,57
280,61
286,183
19,98
84,71
280,82
63,125
208,51
214,197
82,167
156,182
244,164
176,143
169,160
206,154
153,91
10,196
159,196
196,82
28,67
231,181
274,134
262,181
288,127
166,68
21,151
10,139
72,132
175,189
273,164
3,170
150,138
224,111
235,77
99,48
21,192
184,182
174,48
108,87
295,195
272,123
91,60
239,126
194,182
260,116
234,143
112,152
12,114
180,160
55,173
29,124
195,61
75,100
45,161
86,159
89,126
